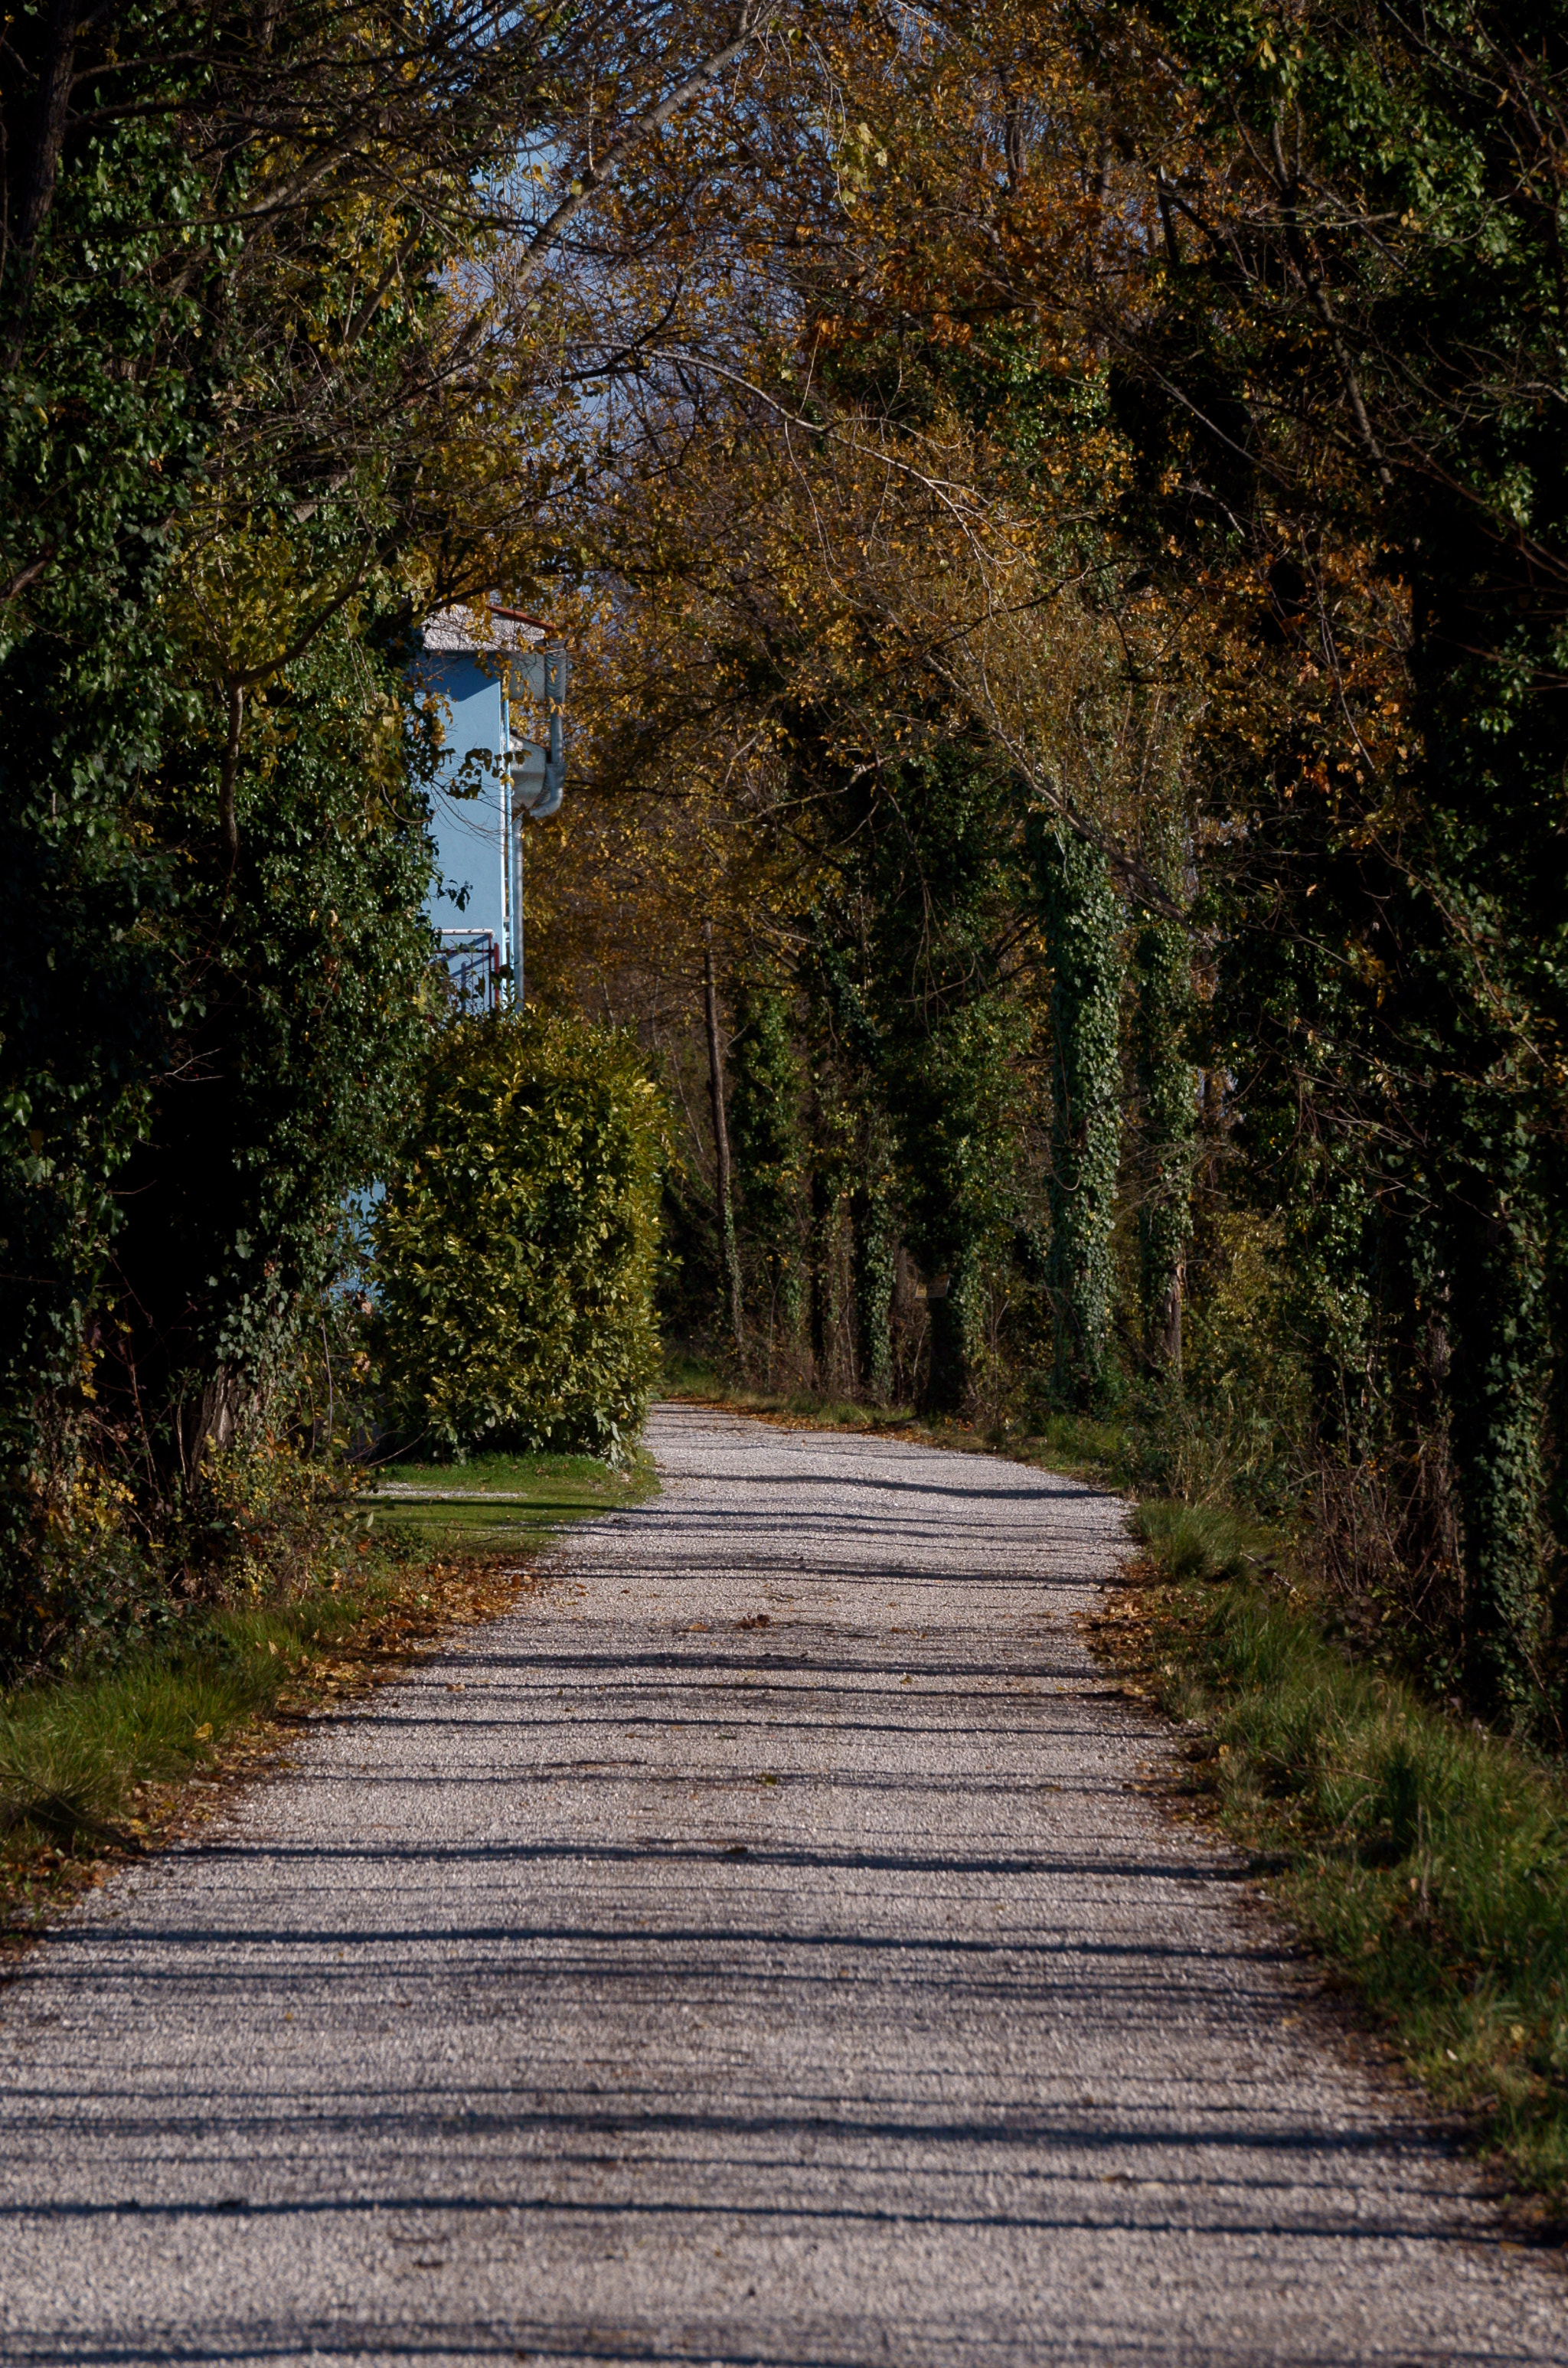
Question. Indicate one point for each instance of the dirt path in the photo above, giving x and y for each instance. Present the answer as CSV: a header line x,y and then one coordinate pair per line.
x,y
752,1951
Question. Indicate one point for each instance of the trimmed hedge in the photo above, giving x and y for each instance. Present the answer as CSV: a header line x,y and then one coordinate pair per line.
x,y
514,1251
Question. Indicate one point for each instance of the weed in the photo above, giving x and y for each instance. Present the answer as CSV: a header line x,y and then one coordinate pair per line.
x,y
74,1753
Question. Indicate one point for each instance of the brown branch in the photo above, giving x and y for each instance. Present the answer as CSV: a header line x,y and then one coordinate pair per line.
x,y
754,16
1312,282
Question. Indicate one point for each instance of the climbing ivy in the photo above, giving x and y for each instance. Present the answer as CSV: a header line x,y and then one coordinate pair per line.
x,y
874,1221
1167,1110
765,1140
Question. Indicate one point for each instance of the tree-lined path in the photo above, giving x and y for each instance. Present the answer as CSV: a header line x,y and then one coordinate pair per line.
x,y
751,1951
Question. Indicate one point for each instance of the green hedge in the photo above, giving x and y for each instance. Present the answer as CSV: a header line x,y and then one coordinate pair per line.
x,y
514,1251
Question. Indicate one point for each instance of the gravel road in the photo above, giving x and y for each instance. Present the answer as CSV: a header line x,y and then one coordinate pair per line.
x,y
755,1951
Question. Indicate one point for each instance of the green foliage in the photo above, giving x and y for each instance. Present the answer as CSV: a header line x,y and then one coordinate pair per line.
x,y
873,1213
935,878
1376,436
764,1142
300,1055
1235,1432
97,457
514,1248
1168,1112
97,1584
211,960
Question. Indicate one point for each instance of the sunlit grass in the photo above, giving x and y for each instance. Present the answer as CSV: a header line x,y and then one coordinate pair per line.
x,y
1424,1858
74,1752
79,1757
500,1504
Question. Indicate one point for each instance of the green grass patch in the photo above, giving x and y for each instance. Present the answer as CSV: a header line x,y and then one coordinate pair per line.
x,y
76,1755
95,1766
500,1504
1425,1860
1088,1447
1205,1541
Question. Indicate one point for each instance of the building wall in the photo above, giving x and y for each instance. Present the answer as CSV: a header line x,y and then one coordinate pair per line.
x,y
470,832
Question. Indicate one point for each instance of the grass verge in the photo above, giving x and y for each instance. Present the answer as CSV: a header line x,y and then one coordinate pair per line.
x,y
499,1504
1424,1861
100,1769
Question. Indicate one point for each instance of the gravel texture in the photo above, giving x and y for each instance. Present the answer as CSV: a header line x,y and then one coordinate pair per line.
x,y
753,1949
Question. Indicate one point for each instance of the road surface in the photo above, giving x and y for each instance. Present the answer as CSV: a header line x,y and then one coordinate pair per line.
x,y
753,1949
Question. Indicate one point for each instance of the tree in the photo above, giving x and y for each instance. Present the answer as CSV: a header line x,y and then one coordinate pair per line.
x,y
765,1111
264,407
1083,932
1341,387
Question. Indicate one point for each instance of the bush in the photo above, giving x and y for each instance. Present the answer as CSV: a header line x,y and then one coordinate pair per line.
x,y
514,1251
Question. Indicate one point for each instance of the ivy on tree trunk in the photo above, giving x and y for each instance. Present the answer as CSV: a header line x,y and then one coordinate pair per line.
x,y
1167,1091
722,1145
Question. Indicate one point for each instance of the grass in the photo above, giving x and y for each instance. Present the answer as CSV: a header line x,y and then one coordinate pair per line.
x,y
71,1753
1426,1861
97,1769
500,1504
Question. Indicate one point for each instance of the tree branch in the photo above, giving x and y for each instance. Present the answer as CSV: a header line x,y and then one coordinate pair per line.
x,y
754,16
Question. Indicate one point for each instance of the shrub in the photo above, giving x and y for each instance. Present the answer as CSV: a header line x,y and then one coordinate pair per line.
x,y
514,1250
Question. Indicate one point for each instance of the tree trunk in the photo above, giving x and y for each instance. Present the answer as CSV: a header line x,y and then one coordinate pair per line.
x,y
821,1282
1083,921
56,63
872,1255
947,1377
1167,1098
766,1164
1499,1378
728,1246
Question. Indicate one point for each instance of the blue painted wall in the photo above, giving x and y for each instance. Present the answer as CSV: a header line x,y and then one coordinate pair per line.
x,y
470,832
